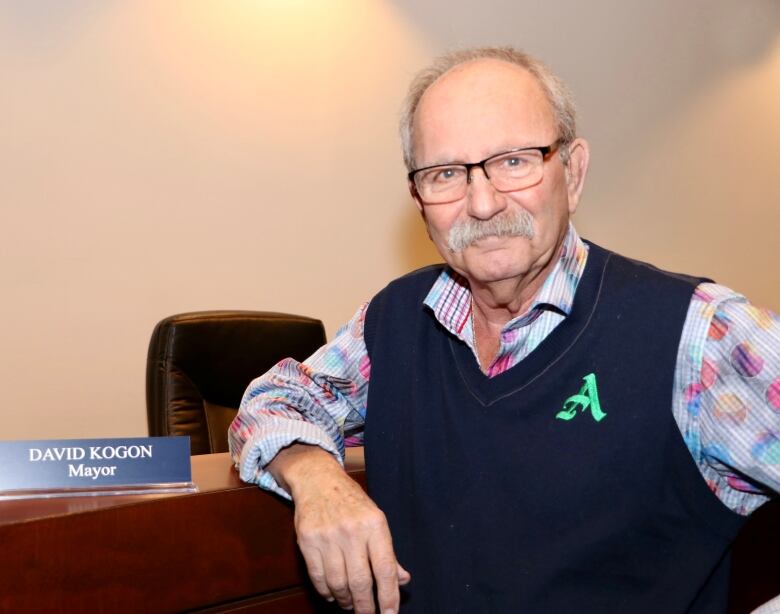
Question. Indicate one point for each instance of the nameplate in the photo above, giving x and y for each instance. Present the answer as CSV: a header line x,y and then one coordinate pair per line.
x,y
82,467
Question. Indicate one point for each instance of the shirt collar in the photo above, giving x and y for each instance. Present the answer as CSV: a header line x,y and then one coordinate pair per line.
x,y
450,298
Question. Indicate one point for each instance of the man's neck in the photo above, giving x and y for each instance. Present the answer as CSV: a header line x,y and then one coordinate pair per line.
x,y
496,303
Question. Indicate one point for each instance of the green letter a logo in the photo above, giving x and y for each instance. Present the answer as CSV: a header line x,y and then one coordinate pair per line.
x,y
586,398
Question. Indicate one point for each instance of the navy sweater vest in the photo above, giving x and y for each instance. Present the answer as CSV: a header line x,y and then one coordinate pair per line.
x,y
561,485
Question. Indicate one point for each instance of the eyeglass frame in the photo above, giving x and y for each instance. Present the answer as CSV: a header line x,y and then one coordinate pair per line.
x,y
545,150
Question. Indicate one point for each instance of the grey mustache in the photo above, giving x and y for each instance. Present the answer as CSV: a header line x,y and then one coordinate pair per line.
x,y
517,223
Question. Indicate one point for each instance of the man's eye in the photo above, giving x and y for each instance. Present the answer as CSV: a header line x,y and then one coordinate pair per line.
x,y
514,162
445,174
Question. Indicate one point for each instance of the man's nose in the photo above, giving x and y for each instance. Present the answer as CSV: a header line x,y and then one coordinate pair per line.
x,y
483,201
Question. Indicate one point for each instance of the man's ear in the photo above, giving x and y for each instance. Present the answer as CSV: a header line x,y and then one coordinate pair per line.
x,y
576,171
416,197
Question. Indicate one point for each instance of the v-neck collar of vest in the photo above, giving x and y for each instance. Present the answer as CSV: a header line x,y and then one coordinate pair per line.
x,y
545,357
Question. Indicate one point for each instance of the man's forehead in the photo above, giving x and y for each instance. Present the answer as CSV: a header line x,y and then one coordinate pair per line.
x,y
479,80
484,100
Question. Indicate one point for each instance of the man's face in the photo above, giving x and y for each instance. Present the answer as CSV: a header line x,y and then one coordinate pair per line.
x,y
477,110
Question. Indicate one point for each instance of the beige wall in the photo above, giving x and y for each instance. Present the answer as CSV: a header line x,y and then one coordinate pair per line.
x,y
242,154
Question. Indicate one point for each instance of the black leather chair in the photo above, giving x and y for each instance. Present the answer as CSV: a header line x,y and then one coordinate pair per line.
x,y
200,363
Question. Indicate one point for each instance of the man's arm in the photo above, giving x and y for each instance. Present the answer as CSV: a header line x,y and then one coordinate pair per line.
x,y
315,402
342,534
289,437
729,365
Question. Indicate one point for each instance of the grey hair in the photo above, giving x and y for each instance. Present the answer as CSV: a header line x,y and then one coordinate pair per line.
x,y
555,90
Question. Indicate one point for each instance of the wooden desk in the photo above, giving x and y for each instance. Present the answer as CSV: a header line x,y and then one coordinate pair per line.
x,y
229,546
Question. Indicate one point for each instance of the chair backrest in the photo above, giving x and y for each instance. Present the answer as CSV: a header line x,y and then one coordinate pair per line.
x,y
199,366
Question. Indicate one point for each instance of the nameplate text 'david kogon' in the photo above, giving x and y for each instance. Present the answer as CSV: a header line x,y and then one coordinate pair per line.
x,y
83,467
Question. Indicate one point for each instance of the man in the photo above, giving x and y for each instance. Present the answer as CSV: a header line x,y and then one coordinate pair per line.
x,y
552,427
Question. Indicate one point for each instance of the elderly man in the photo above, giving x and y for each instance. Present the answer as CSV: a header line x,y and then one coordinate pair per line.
x,y
548,426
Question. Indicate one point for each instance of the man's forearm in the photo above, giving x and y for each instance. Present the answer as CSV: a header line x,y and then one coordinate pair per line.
x,y
295,465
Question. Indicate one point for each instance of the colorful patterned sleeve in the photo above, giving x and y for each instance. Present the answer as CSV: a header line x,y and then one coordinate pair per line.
x,y
728,406
320,401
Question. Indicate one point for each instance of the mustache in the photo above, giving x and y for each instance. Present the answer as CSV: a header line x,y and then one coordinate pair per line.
x,y
516,223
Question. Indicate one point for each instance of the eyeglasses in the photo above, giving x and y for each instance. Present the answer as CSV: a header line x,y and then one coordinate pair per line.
x,y
512,170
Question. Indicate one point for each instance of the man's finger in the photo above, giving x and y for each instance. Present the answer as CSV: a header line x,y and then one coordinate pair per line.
x,y
316,569
361,581
385,568
404,577
336,577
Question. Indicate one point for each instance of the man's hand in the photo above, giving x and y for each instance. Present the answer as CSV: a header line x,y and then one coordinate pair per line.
x,y
342,534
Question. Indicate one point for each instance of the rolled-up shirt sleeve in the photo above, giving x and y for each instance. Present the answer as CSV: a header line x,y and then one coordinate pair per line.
x,y
320,401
